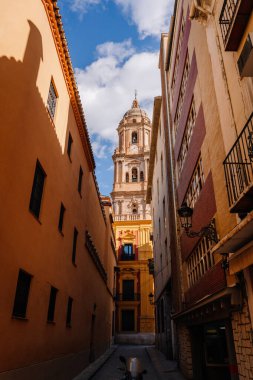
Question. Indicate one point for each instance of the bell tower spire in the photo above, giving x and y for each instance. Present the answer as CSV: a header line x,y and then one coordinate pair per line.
x,y
131,159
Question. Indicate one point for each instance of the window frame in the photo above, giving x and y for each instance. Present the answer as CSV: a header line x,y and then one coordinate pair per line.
x,y
52,99
20,305
36,208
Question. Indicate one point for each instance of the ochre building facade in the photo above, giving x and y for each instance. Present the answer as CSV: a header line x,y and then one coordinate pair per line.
x,y
57,259
132,226
207,88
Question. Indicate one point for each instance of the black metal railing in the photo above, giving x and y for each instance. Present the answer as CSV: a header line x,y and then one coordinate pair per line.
x,y
128,297
238,166
125,257
228,12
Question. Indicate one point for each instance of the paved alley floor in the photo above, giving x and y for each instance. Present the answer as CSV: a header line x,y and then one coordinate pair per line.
x,y
110,370
158,368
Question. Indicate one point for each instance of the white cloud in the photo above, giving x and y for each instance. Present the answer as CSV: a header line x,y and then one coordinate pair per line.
x,y
107,87
151,17
118,50
82,6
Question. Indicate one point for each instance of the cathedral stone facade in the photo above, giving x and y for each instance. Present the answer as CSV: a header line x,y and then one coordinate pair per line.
x,y
132,226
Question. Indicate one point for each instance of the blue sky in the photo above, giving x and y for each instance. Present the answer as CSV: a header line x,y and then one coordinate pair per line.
x,y
114,50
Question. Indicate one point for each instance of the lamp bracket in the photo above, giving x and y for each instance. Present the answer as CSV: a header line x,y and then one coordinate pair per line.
x,y
208,231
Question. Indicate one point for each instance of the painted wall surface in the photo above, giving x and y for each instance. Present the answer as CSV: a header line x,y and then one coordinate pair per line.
x,y
28,134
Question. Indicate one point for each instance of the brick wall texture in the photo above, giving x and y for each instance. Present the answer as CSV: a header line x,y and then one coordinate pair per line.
x,y
185,354
242,328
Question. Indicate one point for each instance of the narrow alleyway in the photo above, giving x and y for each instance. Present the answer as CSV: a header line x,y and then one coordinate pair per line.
x,y
150,360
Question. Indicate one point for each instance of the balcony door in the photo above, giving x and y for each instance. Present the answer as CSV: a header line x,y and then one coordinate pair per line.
x,y
127,320
128,290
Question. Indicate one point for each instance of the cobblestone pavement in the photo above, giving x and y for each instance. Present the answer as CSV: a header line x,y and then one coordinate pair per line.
x,y
110,370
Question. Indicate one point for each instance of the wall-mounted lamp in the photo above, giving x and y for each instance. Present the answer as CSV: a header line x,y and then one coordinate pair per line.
x,y
185,212
151,298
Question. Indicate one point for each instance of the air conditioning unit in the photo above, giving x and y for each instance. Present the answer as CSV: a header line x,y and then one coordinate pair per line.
x,y
245,61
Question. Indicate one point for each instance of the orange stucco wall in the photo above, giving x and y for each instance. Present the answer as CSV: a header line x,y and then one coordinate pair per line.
x,y
28,60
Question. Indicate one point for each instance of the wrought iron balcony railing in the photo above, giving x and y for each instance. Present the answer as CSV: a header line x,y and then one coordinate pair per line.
x,y
128,297
233,20
126,257
130,217
238,166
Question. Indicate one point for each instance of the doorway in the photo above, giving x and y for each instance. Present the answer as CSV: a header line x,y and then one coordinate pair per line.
x,y
127,320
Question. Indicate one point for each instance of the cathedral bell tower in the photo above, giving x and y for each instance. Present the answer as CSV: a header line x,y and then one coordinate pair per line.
x,y
131,160
132,227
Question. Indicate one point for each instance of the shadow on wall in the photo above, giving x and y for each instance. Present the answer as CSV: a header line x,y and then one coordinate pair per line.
x,y
23,110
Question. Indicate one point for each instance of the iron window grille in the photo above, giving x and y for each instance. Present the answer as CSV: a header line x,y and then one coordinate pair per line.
x,y
61,217
196,185
51,306
52,99
80,180
74,245
69,312
200,261
37,190
70,141
22,294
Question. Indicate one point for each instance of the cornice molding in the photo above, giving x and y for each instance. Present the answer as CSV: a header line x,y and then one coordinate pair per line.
x,y
61,45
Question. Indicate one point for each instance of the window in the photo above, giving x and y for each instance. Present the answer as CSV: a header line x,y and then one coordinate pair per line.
x,y
164,214
134,137
128,249
51,306
134,175
62,211
128,290
51,100
162,167
22,293
80,180
37,190
127,252
141,176
179,44
69,312
200,261
182,92
195,186
74,246
127,177
70,141
186,137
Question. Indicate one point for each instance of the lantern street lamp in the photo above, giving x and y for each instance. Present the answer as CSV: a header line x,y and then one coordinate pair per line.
x,y
185,213
250,146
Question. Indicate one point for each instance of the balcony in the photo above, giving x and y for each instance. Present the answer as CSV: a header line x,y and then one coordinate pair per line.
x,y
233,21
130,217
128,297
127,257
238,167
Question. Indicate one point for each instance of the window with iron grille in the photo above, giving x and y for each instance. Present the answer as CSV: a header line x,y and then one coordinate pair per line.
x,y
196,184
80,180
180,40
51,306
186,137
74,246
37,189
22,294
69,312
200,261
70,141
51,100
182,92
61,217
